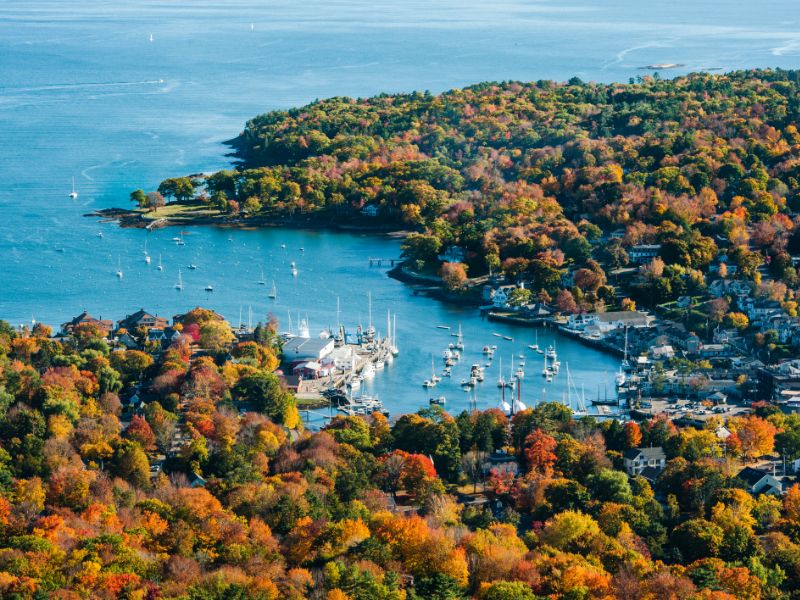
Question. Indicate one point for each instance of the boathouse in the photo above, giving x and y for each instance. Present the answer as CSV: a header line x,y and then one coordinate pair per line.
x,y
301,349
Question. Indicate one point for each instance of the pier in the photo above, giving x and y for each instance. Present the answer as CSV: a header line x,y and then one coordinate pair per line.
x,y
378,262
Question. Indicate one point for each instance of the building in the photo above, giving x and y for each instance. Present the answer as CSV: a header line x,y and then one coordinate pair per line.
x,y
370,210
642,254
636,459
103,325
301,349
609,321
760,482
453,254
501,295
142,318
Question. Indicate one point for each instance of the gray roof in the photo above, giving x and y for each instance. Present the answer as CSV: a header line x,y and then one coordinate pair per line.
x,y
655,453
751,476
297,348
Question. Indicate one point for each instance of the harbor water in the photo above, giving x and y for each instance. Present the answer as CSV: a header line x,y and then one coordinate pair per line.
x,y
85,93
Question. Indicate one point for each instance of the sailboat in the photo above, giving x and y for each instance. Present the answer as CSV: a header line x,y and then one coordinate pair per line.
x,y
179,285
146,255
294,269
262,281
119,268
535,345
73,194
580,411
179,241
460,342
152,39
393,348
160,267
273,292
501,381
429,383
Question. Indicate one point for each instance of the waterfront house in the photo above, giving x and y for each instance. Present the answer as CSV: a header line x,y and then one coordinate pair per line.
x,y
370,210
500,295
103,325
760,482
165,337
636,459
300,349
642,254
142,318
453,254
662,352
128,341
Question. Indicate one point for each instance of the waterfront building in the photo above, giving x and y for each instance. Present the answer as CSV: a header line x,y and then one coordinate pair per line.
x,y
603,323
453,254
300,349
103,325
142,318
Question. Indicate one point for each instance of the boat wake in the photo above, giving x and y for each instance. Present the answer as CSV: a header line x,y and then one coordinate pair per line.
x,y
79,86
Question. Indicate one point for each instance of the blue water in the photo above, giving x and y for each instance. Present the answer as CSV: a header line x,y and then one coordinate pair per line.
x,y
85,94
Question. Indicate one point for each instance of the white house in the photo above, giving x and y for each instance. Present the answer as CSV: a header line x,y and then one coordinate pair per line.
x,y
760,482
637,459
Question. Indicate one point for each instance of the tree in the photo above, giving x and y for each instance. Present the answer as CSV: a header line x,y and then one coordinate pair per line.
x,y
216,336
610,486
539,455
737,320
180,188
696,539
472,464
139,431
565,302
155,200
130,462
508,590
421,247
264,392
140,198
454,275
756,436
633,435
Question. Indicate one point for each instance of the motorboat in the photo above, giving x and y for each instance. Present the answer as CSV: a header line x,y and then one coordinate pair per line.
x,y
438,400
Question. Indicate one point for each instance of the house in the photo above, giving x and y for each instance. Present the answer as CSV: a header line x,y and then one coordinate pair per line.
x,y
662,352
760,482
683,302
500,295
142,318
197,480
103,325
636,459
453,254
128,341
642,254
163,336
302,349
609,321
312,370
370,210
722,433
718,398
713,350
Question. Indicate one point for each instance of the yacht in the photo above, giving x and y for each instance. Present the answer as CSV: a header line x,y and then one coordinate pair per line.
x,y
191,267
368,372
460,342
551,352
438,400
100,234
73,194
209,288
273,292
179,285
501,382
262,281
179,241
119,269
428,384
160,267
619,379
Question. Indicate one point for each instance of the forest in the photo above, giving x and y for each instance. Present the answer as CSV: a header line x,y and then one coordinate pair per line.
x,y
186,473
531,179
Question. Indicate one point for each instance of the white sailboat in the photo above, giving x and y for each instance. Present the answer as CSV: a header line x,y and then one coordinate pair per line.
x,y
146,255
273,292
460,342
501,381
119,268
160,267
262,281
179,241
152,39
179,285
535,345
370,331
73,194
394,348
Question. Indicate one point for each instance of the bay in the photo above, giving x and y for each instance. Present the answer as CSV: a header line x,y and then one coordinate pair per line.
x,y
84,93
